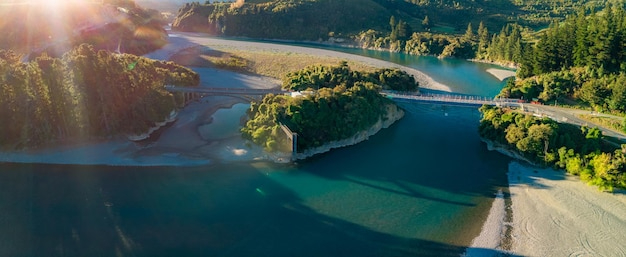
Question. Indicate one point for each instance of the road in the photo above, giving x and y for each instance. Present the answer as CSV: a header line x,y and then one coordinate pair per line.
x,y
569,115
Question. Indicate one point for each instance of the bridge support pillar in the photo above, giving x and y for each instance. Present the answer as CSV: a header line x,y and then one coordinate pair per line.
x,y
294,140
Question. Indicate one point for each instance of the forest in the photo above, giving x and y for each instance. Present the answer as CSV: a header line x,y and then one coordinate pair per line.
x,y
581,61
581,151
419,27
336,104
85,94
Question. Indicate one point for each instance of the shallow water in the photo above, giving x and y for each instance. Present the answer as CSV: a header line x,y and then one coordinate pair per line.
x,y
422,187
224,123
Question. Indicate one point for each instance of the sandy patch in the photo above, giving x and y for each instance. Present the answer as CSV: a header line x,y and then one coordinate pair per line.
x,y
500,73
555,214
488,242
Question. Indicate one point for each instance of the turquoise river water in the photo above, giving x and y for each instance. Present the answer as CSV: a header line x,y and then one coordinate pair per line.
x,y
422,187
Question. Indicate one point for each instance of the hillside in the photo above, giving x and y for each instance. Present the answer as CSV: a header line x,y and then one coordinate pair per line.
x,y
303,20
321,19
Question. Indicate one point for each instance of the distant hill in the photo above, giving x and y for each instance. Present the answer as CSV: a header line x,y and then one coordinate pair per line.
x,y
305,19
319,19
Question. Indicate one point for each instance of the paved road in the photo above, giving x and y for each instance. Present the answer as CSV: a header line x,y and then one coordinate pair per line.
x,y
568,115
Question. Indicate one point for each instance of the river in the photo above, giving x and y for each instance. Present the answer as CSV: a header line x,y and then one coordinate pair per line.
x,y
422,187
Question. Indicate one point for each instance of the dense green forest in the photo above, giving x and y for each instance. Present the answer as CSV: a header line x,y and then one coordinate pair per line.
x,y
300,19
338,103
85,94
581,60
420,27
579,150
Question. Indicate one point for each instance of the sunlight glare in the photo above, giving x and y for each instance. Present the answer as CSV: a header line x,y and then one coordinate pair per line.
x,y
50,3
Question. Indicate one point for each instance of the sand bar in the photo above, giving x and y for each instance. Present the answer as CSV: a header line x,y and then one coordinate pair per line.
x,y
500,73
555,214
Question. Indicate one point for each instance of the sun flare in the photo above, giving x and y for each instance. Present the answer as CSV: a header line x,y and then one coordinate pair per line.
x,y
50,3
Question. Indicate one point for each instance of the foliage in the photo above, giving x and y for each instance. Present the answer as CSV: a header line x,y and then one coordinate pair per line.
x,y
579,60
601,91
347,104
85,94
506,46
420,43
578,150
420,27
587,39
321,76
284,19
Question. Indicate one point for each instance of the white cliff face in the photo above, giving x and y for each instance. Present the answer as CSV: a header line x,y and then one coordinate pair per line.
x,y
394,113
157,125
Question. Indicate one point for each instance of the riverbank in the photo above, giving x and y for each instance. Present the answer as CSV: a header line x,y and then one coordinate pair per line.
x,y
489,241
556,214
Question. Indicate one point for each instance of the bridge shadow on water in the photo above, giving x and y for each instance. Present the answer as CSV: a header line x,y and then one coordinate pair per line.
x,y
235,210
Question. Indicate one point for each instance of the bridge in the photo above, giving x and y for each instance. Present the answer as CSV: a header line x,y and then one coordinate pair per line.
x,y
450,99
192,93
223,90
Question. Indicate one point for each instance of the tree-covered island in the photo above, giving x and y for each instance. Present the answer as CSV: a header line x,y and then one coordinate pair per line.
x,y
333,103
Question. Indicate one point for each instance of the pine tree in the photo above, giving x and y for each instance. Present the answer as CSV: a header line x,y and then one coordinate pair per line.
x,y
426,23
469,33
483,41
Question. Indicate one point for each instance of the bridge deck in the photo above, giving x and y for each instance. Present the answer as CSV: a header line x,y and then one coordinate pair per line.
x,y
429,98
224,90
452,99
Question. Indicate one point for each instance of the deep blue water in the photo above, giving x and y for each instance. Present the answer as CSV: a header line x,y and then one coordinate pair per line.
x,y
422,187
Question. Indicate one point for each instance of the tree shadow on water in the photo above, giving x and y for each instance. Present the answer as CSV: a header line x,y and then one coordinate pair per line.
x,y
202,211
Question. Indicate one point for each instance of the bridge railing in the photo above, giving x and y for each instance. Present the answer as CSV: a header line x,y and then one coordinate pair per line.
x,y
450,98
224,90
